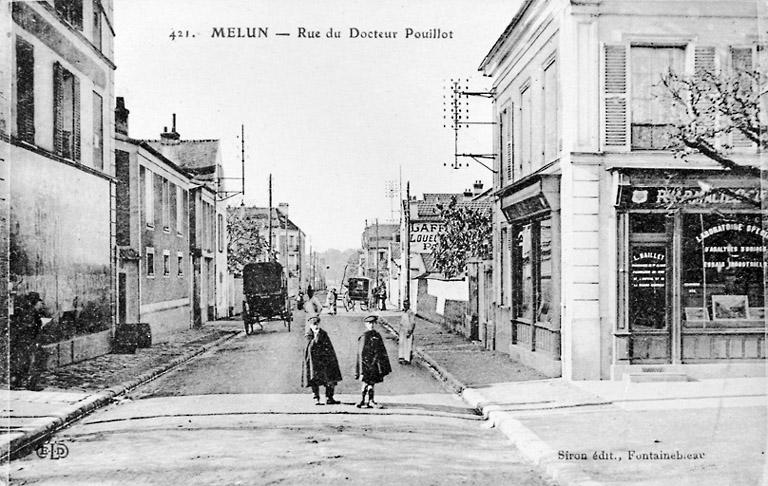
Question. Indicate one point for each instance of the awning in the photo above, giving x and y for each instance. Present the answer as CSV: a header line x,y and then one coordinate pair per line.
x,y
538,196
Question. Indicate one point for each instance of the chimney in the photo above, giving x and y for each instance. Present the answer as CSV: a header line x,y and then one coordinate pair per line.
x,y
283,207
477,188
121,116
172,137
467,194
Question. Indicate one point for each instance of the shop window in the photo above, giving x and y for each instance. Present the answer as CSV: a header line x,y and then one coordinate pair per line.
x,y
722,275
532,284
652,114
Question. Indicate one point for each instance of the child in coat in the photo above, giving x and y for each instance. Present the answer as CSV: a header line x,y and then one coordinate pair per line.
x,y
372,362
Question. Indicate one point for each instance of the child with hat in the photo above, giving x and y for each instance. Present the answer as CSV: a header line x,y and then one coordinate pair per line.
x,y
372,362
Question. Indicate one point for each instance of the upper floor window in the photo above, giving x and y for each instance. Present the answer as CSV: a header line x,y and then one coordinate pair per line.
x,y
507,144
66,109
98,131
551,130
166,203
71,11
179,211
97,24
147,183
651,110
526,130
220,230
25,91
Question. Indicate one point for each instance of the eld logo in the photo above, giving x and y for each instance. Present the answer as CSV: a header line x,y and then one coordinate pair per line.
x,y
52,450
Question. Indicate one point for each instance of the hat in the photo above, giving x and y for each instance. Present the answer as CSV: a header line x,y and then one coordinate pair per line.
x,y
371,318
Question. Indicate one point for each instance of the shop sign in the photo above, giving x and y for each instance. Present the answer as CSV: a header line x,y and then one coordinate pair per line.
x,y
648,268
748,253
675,196
424,236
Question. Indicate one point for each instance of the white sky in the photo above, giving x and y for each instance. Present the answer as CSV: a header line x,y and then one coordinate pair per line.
x,y
331,119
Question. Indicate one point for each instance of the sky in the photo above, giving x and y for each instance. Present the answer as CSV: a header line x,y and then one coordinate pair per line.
x,y
332,119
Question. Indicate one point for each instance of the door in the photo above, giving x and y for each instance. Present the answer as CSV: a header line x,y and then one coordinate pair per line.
x,y
122,299
649,289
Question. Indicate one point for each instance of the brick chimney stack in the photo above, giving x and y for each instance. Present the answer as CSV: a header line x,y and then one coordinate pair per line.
x,y
172,137
283,207
477,188
121,116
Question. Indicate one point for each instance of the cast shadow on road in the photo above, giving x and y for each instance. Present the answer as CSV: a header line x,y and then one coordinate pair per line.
x,y
434,408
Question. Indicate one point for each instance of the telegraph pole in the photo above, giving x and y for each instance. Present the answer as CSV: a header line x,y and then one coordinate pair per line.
x,y
407,211
269,218
377,251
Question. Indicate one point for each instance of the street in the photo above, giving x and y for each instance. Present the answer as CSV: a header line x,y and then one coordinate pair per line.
x,y
238,415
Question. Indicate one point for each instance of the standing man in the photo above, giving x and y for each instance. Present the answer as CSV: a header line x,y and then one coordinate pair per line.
x,y
26,353
312,307
383,296
372,363
320,366
405,339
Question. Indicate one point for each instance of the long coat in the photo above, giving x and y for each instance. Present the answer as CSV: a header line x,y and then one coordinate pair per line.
x,y
405,343
320,366
372,359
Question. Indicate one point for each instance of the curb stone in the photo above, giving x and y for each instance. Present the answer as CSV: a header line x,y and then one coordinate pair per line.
x,y
532,448
97,400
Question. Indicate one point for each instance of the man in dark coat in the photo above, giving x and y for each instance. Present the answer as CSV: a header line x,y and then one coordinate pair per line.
x,y
26,355
372,362
320,366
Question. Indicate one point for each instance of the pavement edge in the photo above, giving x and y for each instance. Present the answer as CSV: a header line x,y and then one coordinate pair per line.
x,y
531,446
97,400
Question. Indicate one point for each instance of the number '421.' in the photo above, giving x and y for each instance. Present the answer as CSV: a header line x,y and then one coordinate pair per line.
x,y
180,34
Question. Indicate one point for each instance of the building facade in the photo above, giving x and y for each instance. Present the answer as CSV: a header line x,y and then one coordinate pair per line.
x,y
154,273
612,255
61,241
202,161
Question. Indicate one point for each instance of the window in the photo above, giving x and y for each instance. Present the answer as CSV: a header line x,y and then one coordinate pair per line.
x,y
504,297
532,272
150,262
507,145
166,204
551,131
98,131
166,263
71,11
722,271
292,240
526,130
651,109
149,196
97,24
66,108
179,201
179,264
184,212
25,91
220,229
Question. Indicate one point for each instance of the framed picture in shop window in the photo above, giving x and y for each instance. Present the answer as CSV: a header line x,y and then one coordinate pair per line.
x,y
730,307
696,314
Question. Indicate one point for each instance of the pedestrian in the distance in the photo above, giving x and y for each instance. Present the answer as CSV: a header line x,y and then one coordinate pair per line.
x,y
330,301
372,362
312,307
383,297
405,340
320,366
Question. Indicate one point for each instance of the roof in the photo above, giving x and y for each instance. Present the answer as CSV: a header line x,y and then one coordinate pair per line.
x,y
199,157
278,217
505,35
427,209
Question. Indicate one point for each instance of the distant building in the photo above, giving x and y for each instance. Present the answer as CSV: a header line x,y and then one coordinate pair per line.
x,y
61,159
201,159
381,245
154,275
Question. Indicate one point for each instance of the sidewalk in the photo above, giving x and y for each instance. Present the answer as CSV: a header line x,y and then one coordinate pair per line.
x,y
709,432
77,389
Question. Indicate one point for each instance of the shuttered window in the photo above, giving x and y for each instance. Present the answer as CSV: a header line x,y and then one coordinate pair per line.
x,y
97,24
615,97
506,145
25,91
652,112
98,131
526,130
741,62
704,60
66,113
551,130
71,11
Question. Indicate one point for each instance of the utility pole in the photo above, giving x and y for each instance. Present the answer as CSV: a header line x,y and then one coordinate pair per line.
x,y
407,259
242,161
269,219
377,251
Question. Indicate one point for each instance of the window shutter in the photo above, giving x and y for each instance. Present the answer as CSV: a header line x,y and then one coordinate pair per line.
x,y
76,118
509,144
615,103
58,99
25,97
704,60
741,61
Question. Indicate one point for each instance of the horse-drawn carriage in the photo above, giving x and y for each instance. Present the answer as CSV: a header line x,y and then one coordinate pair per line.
x,y
265,295
358,292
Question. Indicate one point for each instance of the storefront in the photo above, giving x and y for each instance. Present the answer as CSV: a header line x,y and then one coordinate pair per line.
x,y
691,282
530,261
